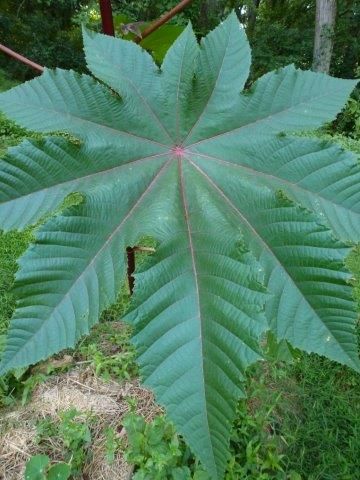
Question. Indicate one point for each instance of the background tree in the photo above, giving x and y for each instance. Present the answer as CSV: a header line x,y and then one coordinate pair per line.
x,y
252,8
324,34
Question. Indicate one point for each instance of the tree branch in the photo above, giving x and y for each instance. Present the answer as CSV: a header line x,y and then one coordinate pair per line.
x,y
163,19
21,58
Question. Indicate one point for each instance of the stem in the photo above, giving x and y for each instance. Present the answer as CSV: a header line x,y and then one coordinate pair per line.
x,y
130,252
163,19
107,17
21,58
144,249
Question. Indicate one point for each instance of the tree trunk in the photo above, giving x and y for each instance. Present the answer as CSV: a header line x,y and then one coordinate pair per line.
x,y
324,34
208,12
251,17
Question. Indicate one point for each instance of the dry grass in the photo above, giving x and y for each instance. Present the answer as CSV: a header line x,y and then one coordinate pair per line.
x,y
82,390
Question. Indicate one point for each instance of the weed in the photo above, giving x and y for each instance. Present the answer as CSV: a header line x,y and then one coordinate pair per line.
x,y
112,444
74,434
109,352
39,467
108,348
157,451
29,386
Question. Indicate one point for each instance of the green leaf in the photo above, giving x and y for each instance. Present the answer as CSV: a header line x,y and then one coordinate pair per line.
x,y
197,317
64,100
295,100
295,476
161,40
177,76
181,473
200,475
60,300
221,70
312,305
60,471
278,351
247,220
36,467
286,100
318,174
36,176
130,71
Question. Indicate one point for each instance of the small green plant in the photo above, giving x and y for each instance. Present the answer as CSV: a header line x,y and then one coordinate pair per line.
x,y
39,467
109,352
112,444
120,365
74,434
30,384
157,452
255,451
76,437
348,121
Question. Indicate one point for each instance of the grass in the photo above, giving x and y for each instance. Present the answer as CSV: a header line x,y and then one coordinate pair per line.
x,y
323,431
12,245
301,421
10,133
8,130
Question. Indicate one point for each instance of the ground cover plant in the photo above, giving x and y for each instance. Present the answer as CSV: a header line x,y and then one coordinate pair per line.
x,y
212,175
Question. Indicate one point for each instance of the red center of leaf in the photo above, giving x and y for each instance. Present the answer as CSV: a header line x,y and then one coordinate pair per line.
x,y
178,151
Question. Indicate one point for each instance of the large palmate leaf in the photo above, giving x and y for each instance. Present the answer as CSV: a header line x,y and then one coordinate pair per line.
x,y
250,222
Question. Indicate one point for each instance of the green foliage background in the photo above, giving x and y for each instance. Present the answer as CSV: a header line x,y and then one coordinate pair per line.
x,y
47,30
280,32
